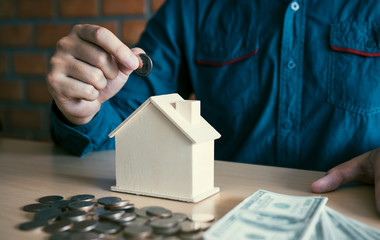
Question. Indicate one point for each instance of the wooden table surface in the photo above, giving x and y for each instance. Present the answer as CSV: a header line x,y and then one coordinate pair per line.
x,y
30,170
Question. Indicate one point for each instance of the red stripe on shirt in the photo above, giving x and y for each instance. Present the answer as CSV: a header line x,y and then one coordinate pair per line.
x,y
219,64
353,51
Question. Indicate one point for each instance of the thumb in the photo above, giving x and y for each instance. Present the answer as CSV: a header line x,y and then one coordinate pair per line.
x,y
331,181
114,85
127,70
339,175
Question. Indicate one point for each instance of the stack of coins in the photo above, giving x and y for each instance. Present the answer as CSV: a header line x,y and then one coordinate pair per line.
x,y
83,217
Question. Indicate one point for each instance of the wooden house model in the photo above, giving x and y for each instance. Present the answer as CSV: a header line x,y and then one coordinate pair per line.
x,y
166,149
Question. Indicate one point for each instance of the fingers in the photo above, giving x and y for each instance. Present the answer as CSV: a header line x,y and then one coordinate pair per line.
x,y
64,88
91,54
354,170
329,182
90,66
105,39
72,78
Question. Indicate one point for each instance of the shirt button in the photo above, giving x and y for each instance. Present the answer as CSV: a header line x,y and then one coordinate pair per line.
x,y
287,124
291,64
370,44
295,6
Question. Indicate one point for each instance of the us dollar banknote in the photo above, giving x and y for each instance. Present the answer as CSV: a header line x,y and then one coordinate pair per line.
x,y
266,215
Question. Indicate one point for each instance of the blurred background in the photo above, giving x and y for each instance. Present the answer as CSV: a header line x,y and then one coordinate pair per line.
x,y
29,30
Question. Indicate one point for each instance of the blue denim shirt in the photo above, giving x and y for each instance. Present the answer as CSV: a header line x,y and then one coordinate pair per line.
x,y
287,83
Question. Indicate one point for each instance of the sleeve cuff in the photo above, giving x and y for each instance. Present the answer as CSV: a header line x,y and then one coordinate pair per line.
x,y
82,139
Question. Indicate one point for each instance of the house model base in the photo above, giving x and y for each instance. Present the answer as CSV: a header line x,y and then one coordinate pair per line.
x,y
165,149
194,199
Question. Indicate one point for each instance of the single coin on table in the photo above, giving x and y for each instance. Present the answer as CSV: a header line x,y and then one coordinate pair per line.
x,y
35,207
159,212
50,198
74,215
83,197
47,214
26,226
63,204
109,200
82,205
113,215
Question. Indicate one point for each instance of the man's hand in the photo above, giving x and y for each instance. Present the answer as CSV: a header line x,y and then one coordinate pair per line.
x,y
90,66
364,168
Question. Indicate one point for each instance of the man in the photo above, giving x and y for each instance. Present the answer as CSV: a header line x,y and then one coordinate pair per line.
x,y
291,84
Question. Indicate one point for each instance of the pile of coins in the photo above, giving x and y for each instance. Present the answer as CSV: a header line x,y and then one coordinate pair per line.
x,y
82,217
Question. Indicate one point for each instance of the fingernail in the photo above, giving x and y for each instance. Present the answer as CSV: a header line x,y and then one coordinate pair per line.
x,y
132,62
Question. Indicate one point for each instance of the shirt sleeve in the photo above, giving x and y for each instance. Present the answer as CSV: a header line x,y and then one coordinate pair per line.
x,y
160,41
82,139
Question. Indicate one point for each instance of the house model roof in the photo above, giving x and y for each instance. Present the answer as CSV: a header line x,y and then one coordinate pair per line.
x,y
197,133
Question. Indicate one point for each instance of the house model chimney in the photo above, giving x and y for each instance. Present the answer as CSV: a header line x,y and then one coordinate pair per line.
x,y
190,110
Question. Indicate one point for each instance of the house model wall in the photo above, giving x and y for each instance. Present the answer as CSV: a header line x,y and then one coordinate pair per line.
x,y
166,149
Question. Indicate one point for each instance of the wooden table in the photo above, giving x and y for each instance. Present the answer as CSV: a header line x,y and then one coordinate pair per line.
x,y
30,170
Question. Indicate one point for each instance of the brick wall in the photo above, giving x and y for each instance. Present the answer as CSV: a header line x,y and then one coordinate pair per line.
x,y
29,30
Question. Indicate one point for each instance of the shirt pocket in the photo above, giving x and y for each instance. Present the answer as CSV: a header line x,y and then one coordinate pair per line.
x,y
354,67
226,70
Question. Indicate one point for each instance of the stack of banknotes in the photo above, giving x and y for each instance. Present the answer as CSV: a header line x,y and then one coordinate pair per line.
x,y
267,215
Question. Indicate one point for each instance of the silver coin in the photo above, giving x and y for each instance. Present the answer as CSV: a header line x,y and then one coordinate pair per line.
x,y
75,215
203,225
82,205
164,223
84,226
159,212
147,65
63,204
167,231
126,217
120,203
83,197
142,213
189,227
35,207
26,226
107,228
94,213
137,231
202,217
139,221
61,236
127,207
85,236
180,217
49,199
59,226
108,200
113,215
47,214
